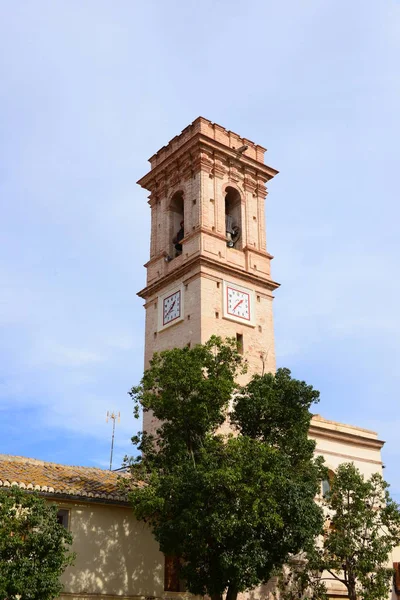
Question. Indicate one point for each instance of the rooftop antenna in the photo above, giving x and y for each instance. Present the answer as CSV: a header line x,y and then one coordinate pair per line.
x,y
113,416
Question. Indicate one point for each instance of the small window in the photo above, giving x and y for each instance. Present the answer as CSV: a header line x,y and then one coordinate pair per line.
x,y
63,518
326,484
396,578
172,578
326,487
239,342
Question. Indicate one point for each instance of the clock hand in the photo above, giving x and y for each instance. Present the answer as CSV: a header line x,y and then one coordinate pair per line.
x,y
237,304
170,308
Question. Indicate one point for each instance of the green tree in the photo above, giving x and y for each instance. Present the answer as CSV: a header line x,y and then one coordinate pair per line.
x,y
33,547
232,508
362,527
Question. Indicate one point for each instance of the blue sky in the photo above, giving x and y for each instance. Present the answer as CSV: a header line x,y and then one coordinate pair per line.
x,y
88,91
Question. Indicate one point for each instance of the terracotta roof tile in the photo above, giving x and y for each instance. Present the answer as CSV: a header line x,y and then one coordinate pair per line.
x,y
33,474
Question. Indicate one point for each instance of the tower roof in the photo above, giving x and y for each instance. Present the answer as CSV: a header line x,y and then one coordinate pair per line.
x,y
215,137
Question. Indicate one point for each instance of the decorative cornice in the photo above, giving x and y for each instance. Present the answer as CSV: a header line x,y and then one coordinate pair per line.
x,y
203,261
199,146
355,437
213,234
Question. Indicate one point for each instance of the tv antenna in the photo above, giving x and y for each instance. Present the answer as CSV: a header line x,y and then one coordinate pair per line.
x,y
114,417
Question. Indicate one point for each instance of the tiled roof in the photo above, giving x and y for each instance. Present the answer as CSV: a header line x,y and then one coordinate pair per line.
x,y
55,479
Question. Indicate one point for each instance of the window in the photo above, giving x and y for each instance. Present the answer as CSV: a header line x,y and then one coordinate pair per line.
x,y
63,518
239,342
396,578
326,487
172,578
233,218
326,484
175,224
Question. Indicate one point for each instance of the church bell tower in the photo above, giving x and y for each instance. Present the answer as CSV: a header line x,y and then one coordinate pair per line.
x,y
209,270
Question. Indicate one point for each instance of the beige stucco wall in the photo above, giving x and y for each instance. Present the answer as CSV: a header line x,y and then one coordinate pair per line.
x,y
258,340
339,443
116,555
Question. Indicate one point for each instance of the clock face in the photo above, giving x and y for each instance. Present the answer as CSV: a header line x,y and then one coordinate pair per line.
x,y
171,308
237,303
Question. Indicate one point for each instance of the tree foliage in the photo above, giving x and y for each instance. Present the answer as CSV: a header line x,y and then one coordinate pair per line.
x,y
33,547
232,508
362,527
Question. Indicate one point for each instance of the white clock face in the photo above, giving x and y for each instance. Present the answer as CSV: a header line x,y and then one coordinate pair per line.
x,y
171,307
238,303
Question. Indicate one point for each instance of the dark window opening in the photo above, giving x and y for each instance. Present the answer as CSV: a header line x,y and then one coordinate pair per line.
x,y
233,219
176,228
239,342
396,578
172,575
63,518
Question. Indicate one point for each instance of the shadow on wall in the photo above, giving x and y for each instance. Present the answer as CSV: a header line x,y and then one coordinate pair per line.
x,y
116,554
263,592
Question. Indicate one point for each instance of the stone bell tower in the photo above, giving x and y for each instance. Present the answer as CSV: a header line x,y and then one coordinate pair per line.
x,y
214,277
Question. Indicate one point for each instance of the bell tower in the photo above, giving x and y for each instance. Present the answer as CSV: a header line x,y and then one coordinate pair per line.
x,y
209,270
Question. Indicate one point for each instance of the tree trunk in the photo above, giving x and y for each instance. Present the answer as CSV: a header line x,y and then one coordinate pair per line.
x,y
232,592
351,588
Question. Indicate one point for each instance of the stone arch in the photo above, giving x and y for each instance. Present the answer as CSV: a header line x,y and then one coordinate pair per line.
x,y
235,186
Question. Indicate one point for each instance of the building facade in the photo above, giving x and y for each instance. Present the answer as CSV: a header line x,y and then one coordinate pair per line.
x,y
116,556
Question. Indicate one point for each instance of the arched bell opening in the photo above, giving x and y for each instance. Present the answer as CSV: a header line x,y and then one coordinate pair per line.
x,y
233,218
176,217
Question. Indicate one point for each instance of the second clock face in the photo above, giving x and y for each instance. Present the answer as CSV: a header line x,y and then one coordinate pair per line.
x,y
237,303
171,308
